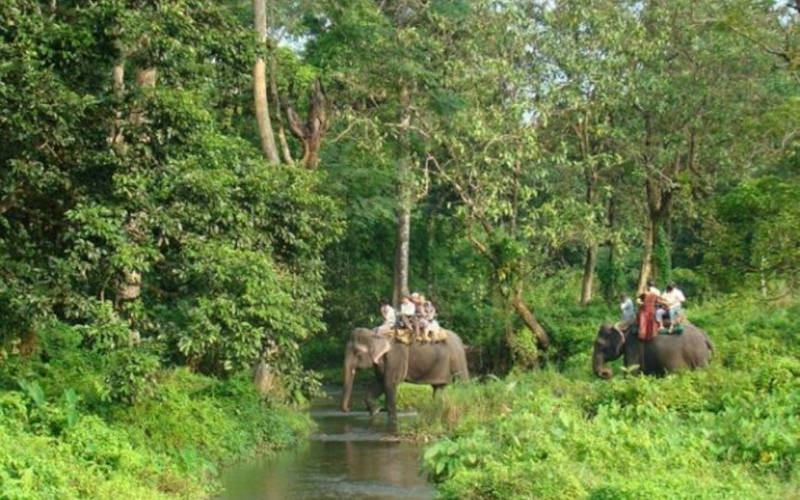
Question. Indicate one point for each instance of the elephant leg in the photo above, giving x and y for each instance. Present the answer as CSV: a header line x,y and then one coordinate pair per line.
x,y
391,401
634,356
437,388
371,398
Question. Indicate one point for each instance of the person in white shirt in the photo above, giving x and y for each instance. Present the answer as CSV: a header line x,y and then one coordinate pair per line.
x,y
419,320
407,311
673,298
389,318
430,325
627,309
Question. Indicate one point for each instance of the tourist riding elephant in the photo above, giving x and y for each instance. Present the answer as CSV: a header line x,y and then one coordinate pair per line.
x,y
395,362
663,354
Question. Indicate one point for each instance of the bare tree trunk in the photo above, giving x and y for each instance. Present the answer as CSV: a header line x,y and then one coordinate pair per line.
x,y
529,319
115,138
588,274
310,133
276,103
591,177
268,147
401,253
403,233
612,290
646,269
129,286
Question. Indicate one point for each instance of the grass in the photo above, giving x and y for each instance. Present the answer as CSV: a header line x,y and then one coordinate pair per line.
x,y
60,437
731,431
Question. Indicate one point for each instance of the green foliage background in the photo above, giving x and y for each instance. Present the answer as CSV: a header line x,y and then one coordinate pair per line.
x,y
526,136
730,431
63,435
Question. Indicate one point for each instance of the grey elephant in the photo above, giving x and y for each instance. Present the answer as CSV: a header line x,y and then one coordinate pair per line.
x,y
395,362
664,354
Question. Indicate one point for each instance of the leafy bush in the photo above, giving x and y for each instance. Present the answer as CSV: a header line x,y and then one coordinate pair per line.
x,y
126,428
729,431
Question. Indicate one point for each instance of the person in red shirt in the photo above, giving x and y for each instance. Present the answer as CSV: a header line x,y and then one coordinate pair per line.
x,y
648,327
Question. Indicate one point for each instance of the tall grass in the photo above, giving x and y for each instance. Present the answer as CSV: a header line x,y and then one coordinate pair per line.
x,y
730,431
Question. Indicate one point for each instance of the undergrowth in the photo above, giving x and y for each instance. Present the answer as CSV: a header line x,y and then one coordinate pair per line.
x,y
63,434
730,431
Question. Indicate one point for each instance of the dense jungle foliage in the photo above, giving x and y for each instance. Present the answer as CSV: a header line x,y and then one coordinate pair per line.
x,y
192,189
730,431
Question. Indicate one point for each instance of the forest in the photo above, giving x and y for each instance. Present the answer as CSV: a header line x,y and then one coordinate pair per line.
x,y
193,192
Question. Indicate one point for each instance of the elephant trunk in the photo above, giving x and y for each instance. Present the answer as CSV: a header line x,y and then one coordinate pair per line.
x,y
598,365
349,374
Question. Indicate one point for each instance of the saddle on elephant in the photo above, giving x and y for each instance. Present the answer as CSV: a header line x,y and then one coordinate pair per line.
x,y
407,336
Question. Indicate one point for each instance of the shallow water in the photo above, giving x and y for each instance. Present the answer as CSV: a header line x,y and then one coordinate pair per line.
x,y
351,456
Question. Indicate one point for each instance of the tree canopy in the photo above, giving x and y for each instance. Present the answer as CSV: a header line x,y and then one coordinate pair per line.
x,y
465,149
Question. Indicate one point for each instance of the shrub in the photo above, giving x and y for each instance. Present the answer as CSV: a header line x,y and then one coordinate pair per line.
x,y
729,431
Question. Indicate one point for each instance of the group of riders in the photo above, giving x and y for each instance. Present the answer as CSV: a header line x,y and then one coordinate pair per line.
x,y
655,309
658,312
417,316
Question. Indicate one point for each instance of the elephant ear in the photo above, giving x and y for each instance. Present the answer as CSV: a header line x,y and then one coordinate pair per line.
x,y
378,347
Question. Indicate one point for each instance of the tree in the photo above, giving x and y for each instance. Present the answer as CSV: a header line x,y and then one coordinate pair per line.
x,y
376,58
152,192
261,103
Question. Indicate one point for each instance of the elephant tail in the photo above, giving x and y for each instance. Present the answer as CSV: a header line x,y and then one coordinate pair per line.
x,y
458,360
463,370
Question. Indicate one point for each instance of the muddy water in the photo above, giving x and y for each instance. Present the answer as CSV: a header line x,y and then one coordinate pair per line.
x,y
352,456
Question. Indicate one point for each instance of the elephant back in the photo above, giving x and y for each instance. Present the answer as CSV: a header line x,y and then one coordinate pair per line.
x,y
451,337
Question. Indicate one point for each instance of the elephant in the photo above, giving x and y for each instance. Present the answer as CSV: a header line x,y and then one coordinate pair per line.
x,y
395,362
664,354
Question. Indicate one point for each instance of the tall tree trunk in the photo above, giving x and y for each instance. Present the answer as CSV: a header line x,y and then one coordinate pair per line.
x,y
115,138
276,106
646,269
591,249
588,274
401,253
268,147
529,318
612,290
403,228
129,286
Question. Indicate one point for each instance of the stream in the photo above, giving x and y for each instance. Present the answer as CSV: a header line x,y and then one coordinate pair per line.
x,y
351,456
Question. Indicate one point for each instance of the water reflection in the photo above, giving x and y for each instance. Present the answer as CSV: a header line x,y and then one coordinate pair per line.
x,y
351,456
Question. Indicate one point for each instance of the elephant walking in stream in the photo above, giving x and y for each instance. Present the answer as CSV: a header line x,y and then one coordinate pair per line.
x,y
664,354
395,362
